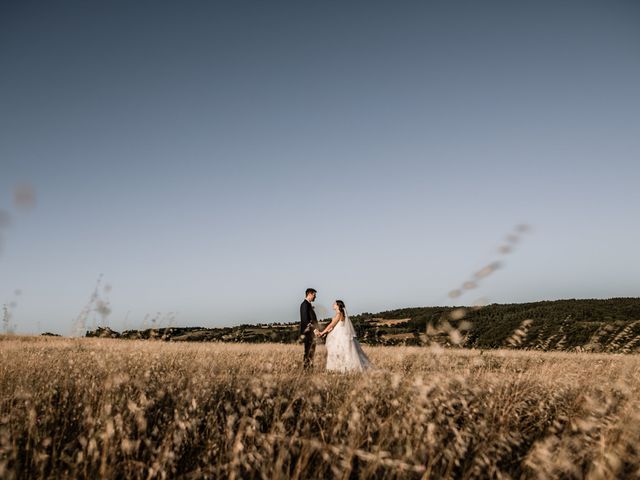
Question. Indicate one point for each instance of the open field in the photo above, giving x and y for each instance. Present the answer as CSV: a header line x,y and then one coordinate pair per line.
x,y
106,408
585,325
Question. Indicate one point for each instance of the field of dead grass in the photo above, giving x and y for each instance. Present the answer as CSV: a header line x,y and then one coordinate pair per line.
x,y
77,408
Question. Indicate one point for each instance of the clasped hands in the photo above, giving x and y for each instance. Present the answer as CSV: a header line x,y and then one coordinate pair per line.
x,y
318,333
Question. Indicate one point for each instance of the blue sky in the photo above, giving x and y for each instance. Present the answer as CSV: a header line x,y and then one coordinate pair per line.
x,y
215,159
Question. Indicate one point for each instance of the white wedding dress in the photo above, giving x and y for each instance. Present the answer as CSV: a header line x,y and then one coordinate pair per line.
x,y
344,352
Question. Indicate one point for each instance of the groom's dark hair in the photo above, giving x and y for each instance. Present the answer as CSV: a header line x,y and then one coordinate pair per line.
x,y
309,290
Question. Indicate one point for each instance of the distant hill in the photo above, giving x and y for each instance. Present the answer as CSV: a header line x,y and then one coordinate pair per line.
x,y
595,325
611,325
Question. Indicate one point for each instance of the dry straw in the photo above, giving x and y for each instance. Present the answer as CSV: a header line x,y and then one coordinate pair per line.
x,y
78,408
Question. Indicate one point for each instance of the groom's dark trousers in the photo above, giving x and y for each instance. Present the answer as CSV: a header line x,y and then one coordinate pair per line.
x,y
308,323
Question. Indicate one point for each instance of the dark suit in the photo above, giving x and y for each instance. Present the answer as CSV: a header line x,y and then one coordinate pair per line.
x,y
308,323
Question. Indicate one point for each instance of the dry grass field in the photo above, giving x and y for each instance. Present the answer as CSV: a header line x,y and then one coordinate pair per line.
x,y
98,408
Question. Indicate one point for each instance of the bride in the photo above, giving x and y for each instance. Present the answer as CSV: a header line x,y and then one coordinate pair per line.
x,y
344,352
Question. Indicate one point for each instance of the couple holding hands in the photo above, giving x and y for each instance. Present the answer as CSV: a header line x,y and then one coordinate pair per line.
x,y
344,352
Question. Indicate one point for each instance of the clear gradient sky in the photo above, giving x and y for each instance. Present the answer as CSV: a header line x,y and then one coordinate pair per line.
x,y
216,158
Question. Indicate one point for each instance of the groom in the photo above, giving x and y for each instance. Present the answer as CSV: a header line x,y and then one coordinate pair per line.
x,y
308,327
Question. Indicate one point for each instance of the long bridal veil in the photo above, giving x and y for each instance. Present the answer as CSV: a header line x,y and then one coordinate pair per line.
x,y
344,352
349,326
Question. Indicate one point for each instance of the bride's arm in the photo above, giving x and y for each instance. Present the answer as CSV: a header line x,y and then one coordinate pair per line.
x,y
331,325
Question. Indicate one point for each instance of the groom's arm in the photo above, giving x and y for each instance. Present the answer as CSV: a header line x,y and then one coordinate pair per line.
x,y
305,316
310,321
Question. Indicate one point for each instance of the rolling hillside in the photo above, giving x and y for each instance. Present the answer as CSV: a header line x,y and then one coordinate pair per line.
x,y
611,325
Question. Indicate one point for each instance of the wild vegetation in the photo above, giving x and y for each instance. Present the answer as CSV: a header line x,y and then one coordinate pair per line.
x,y
611,325
108,408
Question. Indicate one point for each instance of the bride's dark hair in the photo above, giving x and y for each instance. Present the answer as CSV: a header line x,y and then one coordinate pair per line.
x,y
341,307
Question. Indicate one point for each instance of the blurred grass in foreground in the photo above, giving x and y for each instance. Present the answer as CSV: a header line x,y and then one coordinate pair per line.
x,y
72,408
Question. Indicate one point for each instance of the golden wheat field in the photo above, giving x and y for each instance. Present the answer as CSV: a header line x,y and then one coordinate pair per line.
x,y
78,408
